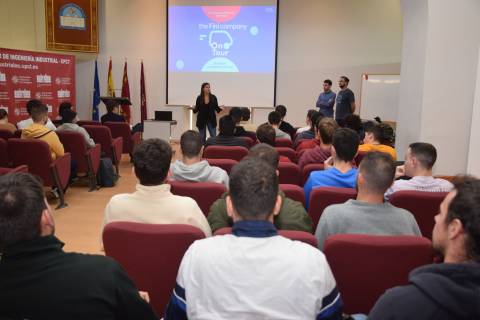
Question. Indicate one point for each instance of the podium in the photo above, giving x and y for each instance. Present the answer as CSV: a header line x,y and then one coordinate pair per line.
x,y
158,129
121,101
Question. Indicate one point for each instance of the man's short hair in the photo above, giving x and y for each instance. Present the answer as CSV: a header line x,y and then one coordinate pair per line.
x,y
266,153
236,114
245,114
190,143
253,189
266,134
376,131
274,118
464,206
110,105
3,114
21,205
345,141
425,153
346,79
151,161
64,106
32,103
326,127
378,170
68,116
328,81
38,112
282,110
227,125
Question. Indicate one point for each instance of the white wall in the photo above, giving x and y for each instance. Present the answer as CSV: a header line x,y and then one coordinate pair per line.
x,y
474,148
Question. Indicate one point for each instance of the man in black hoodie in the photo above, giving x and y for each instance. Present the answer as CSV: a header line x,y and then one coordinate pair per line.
x,y
450,290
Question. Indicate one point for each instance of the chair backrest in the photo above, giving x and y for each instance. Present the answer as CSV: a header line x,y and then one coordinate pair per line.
x,y
423,205
287,152
302,236
5,134
4,170
365,266
88,123
102,135
225,164
150,254
293,192
4,161
249,141
17,133
322,197
289,173
224,152
359,157
74,142
33,153
252,135
283,142
204,193
121,129
306,170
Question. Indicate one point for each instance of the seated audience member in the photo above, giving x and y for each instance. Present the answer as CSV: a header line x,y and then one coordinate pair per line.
x,y
266,134
292,215
308,121
236,114
4,124
325,129
419,160
64,106
247,125
339,171
40,280
354,122
27,122
254,273
113,113
375,141
447,290
226,136
192,167
274,119
284,125
309,134
69,124
37,130
368,214
152,202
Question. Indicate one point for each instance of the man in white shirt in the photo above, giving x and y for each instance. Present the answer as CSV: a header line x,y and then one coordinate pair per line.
x,y
192,167
27,122
254,273
152,202
419,160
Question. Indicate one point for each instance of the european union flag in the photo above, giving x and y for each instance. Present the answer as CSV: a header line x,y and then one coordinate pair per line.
x,y
96,95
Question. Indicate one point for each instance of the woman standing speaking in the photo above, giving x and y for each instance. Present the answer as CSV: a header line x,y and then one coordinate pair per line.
x,y
206,105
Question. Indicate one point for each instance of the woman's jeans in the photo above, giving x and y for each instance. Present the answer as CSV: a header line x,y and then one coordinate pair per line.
x,y
212,131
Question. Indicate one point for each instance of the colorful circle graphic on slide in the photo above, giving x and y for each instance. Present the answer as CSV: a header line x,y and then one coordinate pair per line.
x,y
221,14
220,64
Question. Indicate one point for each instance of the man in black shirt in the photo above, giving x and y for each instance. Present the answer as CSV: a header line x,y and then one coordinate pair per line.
x,y
285,126
112,115
226,136
345,101
38,280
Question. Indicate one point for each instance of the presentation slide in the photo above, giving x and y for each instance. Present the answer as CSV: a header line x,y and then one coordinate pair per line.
x,y
230,46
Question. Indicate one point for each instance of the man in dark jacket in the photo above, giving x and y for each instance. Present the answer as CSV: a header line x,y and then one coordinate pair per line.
x,y
38,280
449,290
292,215
113,113
226,136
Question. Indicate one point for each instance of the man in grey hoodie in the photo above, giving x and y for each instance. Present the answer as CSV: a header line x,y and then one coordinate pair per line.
x,y
192,167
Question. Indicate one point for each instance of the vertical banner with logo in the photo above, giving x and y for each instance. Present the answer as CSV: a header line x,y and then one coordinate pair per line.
x,y
26,75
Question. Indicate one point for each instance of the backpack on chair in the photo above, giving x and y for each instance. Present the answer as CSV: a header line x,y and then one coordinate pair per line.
x,y
106,176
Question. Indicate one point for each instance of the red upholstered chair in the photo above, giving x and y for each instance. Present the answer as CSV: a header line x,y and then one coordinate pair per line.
x,y
37,156
423,205
88,123
224,152
359,157
302,236
252,135
306,170
6,134
289,173
4,162
287,152
88,160
283,142
13,170
293,192
365,266
250,142
17,133
322,197
204,193
150,254
111,147
122,129
225,164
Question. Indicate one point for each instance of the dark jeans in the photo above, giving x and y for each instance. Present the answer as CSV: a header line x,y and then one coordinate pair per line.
x,y
212,131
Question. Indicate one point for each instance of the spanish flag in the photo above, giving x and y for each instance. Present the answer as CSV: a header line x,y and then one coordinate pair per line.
x,y
110,86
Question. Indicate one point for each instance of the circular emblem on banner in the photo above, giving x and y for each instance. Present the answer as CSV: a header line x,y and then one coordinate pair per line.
x,y
58,80
38,95
15,79
72,16
17,111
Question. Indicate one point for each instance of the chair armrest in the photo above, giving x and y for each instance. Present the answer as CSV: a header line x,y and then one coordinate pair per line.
x,y
136,139
61,166
93,157
117,148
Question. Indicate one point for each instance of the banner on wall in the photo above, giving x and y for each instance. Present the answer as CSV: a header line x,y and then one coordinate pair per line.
x,y
26,75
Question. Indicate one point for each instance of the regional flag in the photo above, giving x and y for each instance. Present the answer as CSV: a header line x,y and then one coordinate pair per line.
x,y
143,96
125,94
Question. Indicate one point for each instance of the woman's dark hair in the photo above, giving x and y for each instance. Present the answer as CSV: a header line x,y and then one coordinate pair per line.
x,y
63,107
203,86
3,114
316,116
